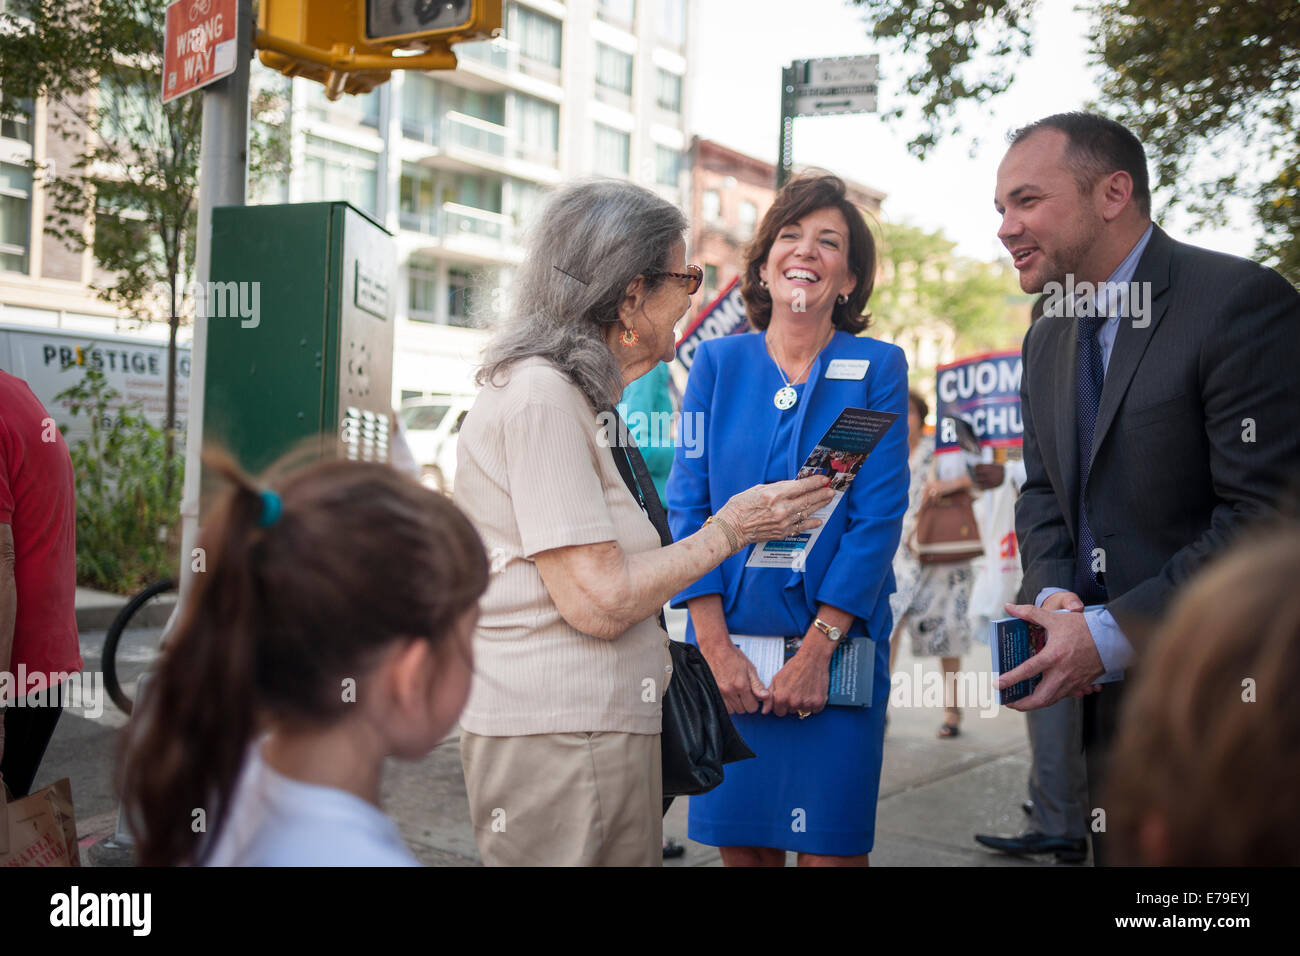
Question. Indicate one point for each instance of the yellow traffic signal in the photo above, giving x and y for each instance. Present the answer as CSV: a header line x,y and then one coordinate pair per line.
x,y
402,21
348,45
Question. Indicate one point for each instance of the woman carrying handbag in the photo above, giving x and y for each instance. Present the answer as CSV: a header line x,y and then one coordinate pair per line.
x,y
934,566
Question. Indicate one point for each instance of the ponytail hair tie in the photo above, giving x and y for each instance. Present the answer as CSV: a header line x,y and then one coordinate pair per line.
x,y
271,509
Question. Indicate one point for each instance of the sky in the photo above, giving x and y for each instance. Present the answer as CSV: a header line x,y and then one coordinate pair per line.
x,y
741,46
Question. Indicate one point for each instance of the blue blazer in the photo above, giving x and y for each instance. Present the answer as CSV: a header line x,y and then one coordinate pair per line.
x,y
731,386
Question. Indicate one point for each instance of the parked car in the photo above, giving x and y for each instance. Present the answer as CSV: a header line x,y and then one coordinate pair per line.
x,y
431,426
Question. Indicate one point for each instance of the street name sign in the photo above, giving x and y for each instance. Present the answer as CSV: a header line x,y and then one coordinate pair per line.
x,y
198,45
834,85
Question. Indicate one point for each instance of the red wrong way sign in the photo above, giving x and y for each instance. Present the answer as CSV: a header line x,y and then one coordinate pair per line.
x,y
200,45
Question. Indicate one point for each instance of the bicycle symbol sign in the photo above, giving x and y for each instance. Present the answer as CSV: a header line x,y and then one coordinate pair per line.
x,y
199,8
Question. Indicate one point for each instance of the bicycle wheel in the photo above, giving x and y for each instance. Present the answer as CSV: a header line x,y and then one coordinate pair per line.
x,y
142,617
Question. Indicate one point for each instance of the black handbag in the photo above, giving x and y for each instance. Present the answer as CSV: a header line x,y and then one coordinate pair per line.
x,y
698,735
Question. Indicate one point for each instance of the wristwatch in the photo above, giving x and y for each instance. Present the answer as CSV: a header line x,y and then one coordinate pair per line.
x,y
832,633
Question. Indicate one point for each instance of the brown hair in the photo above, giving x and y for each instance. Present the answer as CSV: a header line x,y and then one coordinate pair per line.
x,y
360,557
1206,756
917,402
801,196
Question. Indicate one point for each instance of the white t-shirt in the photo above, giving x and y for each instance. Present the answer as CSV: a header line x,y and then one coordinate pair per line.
x,y
277,821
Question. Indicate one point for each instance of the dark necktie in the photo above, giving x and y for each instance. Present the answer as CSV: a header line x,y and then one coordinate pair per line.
x,y
1087,584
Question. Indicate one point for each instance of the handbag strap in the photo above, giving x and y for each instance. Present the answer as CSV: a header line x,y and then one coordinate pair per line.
x,y
632,467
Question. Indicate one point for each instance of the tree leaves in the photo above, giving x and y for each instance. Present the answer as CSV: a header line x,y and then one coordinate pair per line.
x,y
1204,84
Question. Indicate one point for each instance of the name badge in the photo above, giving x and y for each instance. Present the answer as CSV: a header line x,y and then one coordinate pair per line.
x,y
852,370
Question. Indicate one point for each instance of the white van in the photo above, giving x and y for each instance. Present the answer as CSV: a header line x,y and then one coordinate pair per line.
x,y
53,360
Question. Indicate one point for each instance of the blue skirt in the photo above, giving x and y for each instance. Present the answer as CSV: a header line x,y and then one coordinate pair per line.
x,y
812,787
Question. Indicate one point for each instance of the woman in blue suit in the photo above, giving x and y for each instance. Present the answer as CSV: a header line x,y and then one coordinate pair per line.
x,y
764,399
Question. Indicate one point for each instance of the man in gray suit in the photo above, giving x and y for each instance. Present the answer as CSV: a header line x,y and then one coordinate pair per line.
x,y
1161,410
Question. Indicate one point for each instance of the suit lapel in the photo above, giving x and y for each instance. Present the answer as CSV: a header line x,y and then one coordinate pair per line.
x,y
1131,342
1067,441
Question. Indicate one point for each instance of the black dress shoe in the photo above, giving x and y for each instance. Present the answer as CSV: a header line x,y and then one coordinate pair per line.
x,y
1028,807
1031,843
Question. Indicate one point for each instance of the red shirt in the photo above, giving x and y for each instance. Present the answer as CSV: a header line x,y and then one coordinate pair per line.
x,y
38,501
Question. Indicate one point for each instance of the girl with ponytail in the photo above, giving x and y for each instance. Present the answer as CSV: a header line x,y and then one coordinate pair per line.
x,y
330,628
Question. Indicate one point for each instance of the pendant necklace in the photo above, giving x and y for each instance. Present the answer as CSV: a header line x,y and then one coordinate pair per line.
x,y
786,396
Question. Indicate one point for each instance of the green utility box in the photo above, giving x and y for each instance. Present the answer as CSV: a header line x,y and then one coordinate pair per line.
x,y
300,313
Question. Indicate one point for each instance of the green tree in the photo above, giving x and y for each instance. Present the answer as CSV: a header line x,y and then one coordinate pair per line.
x,y
134,182
1192,78
926,293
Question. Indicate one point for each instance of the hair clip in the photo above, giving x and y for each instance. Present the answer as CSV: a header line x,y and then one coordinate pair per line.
x,y
571,275
271,509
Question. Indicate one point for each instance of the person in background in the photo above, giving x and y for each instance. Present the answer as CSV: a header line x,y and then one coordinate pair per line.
x,y
1057,808
560,741
932,603
647,407
1204,771
330,630
38,575
765,399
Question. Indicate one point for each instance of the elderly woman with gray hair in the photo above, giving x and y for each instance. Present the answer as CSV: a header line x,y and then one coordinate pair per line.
x,y
560,739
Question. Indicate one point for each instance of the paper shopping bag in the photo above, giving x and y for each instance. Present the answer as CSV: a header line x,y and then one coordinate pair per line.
x,y
42,830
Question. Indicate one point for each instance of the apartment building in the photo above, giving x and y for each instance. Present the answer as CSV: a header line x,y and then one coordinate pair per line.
x,y
456,163
453,163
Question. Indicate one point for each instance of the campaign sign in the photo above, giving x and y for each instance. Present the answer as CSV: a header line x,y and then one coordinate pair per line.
x,y
984,390
724,316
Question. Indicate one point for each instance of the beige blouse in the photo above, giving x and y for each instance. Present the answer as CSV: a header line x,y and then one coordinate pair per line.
x,y
533,472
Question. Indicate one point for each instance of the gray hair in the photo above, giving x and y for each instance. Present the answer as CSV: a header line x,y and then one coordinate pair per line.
x,y
589,242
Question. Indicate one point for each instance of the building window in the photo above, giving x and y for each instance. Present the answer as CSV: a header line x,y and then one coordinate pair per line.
x,y
16,119
15,216
668,91
711,205
538,35
416,202
667,166
525,200
422,292
617,11
538,123
462,295
336,171
747,218
613,69
672,22
612,151
420,110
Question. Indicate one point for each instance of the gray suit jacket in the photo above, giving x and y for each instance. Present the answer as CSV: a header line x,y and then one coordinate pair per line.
x,y
1197,432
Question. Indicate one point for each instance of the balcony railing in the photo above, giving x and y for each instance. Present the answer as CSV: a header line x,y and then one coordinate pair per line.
x,y
425,222
458,220
497,53
454,220
473,133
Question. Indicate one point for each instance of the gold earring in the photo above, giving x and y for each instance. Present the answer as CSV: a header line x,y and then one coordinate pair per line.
x,y
629,337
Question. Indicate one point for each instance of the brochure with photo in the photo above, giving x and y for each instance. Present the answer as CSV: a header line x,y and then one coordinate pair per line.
x,y
852,667
1013,641
840,454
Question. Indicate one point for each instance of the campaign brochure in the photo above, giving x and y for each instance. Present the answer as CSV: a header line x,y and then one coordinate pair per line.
x,y
839,454
853,665
1013,641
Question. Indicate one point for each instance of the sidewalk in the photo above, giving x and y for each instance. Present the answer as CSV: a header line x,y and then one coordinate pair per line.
x,y
934,795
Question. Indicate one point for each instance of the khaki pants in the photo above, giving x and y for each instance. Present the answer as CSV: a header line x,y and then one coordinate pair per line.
x,y
580,799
